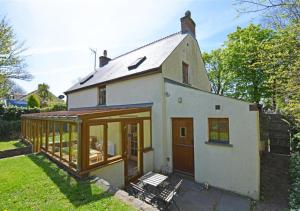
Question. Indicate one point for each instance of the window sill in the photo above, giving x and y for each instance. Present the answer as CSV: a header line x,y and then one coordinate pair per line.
x,y
218,143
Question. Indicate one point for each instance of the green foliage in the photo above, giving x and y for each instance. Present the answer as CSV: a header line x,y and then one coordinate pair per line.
x,y
296,142
43,93
9,129
13,113
55,107
12,63
294,172
220,77
33,101
242,56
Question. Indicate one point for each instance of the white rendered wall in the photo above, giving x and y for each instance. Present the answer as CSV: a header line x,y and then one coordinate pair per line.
x,y
147,89
83,98
188,52
235,168
114,174
148,161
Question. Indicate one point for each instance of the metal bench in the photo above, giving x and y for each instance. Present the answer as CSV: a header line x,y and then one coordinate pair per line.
x,y
167,195
141,193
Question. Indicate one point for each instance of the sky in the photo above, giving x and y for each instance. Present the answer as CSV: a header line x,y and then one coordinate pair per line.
x,y
58,34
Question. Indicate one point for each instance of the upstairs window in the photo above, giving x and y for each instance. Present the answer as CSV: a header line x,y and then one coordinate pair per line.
x,y
218,130
185,73
102,96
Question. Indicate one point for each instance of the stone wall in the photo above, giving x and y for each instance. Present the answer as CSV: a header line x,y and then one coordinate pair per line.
x,y
279,134
274,133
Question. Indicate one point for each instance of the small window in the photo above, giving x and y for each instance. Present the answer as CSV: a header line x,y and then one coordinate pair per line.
x,y
185,73
182,131
136,63
218,130
102,96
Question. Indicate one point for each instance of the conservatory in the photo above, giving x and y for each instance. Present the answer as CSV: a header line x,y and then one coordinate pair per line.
x,y
102,142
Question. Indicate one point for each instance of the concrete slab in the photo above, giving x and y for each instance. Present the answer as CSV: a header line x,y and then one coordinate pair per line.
x,y
192,197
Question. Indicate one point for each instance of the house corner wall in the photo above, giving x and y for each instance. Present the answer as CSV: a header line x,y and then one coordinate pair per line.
x,y
235,168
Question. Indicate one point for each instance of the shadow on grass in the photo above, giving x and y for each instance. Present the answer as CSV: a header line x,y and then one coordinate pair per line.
x,y
19,144
79,192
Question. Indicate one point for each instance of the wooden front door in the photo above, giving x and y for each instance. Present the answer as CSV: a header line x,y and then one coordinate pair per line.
x,y
183,145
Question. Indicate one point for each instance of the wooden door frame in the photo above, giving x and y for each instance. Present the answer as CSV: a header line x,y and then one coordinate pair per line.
x,y
172,132
124,147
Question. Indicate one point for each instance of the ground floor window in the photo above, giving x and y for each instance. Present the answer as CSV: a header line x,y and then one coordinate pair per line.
x,y
218,130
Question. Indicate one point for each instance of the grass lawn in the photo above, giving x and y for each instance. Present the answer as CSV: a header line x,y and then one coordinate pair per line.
x,y
33,182
11,144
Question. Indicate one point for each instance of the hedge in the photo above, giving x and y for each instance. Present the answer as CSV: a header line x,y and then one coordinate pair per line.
x,y
10,129
13,113
10,124
294,172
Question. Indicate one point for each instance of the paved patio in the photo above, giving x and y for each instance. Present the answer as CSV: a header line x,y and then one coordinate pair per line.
x,y
192,196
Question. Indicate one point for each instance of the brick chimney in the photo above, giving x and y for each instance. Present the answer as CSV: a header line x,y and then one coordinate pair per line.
x,y
187,24
103,60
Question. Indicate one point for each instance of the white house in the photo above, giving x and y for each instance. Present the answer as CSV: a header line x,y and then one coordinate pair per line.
x,y
166,118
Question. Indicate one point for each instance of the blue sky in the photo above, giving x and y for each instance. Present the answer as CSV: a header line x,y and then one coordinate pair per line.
x,y
59,33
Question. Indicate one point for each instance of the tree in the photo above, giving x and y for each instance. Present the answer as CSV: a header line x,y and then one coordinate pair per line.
x,y
282,60
221,78
33,101
43,92
276,12
242,55
12,63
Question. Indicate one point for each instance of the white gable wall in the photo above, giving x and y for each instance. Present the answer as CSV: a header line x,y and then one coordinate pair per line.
x,y
83,98
187,51
147,89
233,168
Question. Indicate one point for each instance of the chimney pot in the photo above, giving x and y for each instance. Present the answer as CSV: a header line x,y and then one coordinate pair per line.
x,y
103,60
187,24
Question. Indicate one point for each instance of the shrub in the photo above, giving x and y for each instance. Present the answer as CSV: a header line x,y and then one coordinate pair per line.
x,y
55,107
33,101
10,129
296,142
13,113
294,172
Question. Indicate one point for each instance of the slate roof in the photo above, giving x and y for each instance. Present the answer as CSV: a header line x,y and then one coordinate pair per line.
x,y
155,52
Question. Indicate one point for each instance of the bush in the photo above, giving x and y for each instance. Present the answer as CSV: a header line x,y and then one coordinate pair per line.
x,y
55,107
33,101
294,172
295,144
10,129
14,113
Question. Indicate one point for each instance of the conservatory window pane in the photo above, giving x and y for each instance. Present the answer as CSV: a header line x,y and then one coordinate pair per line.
x,y
50,137
114,137
57,139
44,131
147,134
65,142
73,143
96,137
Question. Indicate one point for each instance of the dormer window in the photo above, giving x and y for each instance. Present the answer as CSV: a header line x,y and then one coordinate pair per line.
x,y
137,63
185,73
102,96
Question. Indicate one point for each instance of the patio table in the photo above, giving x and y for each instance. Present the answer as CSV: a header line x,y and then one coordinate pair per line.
x,y
153,179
